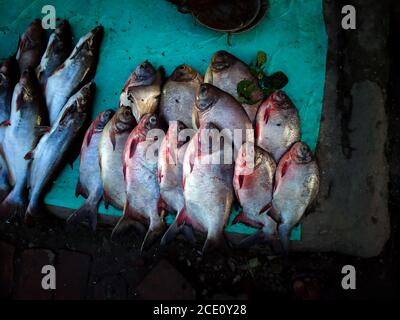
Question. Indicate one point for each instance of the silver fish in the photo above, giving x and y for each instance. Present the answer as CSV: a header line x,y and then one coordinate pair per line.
x,y
31,46
208,191
77,70
178,95
142,189
8,78
58,49
28,117
218,107
52,148
277,124
111,149
296,186
226,71
89,184
253,183
142,90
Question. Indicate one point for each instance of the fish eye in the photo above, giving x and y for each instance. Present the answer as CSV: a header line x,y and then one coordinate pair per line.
x,y
153,120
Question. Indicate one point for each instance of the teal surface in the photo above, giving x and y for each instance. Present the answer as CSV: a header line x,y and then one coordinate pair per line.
x,y
292,33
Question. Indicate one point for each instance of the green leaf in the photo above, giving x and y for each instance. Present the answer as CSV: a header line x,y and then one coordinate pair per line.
x,y
277,80
245,88
261,58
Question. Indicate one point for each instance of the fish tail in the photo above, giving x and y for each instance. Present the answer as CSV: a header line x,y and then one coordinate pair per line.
x,y
4,191
284,235
178,226
88,211
129,219
14,205
266,235
154,233
216,243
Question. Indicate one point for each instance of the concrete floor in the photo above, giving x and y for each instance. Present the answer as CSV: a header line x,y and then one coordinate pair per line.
x,y
351,215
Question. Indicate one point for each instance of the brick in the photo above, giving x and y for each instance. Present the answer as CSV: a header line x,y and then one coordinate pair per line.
x,y
164,282
29,275
72,275
6,269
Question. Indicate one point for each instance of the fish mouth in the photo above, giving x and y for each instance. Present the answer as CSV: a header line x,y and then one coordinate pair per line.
x,y
184,73
220,65
221,61
303,153
144,74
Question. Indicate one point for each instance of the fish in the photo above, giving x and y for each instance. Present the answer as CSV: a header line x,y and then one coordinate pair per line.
x,y
208,192
142,204
8,78
277,124
28,122
297,181
218,107
111,148
253,184
178,95
50,153
170,167
89,184
57,51
73,73
142,90
31,46
226,71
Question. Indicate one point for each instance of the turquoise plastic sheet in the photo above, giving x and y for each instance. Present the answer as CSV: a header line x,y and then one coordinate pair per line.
x,y
292,34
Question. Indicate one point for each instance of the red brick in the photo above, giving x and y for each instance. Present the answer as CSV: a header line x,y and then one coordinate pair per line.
x,y
6,269
29,275
72,275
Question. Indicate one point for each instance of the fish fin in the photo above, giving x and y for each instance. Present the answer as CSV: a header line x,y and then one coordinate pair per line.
x,y
79,190
29,155
13,206
216,243
243,218
88,211
261,237
43,130
266,209
112,139
130,219
154,233
182,225
5,123
284,230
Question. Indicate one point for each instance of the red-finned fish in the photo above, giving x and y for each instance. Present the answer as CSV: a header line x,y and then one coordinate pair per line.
x,y
89,184
170,167
77,70
8,78
31,46
277,124
49,154
58,49
296,186
208,191
226,71
253,183
27,124
142,90
111,148
178,95
142,190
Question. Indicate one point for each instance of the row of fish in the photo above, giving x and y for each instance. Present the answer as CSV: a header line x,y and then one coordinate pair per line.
x,y
274,195
43,112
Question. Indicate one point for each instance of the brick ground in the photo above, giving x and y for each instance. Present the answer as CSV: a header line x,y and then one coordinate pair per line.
x,y
6,269
72,275
29,277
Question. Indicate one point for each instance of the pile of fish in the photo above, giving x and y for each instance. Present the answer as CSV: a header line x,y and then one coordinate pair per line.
x,y
45,98
147,173
183,145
